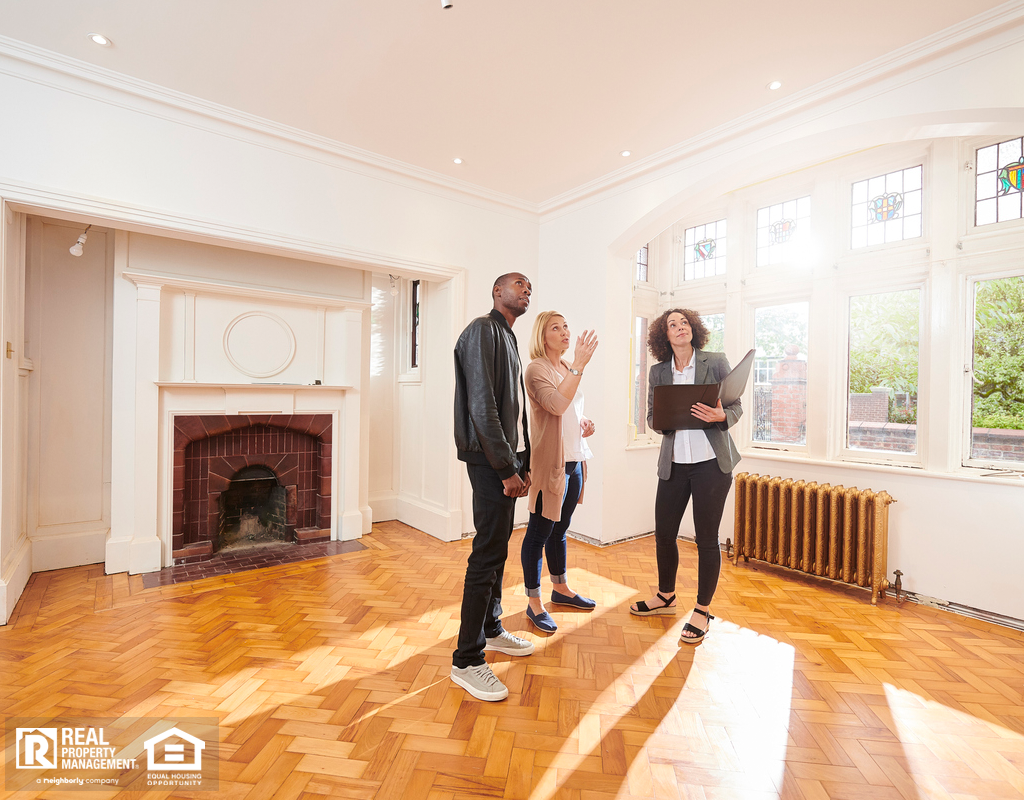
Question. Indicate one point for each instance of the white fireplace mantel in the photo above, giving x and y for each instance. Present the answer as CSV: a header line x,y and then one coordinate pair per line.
x,y
292,352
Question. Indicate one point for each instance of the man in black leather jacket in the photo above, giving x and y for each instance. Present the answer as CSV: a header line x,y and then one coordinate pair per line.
x,y
491,434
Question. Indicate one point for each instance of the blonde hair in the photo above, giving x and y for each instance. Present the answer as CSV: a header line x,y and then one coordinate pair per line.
x,y
537,336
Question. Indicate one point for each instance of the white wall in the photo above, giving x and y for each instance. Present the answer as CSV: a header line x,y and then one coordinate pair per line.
x,y
141,160
586,253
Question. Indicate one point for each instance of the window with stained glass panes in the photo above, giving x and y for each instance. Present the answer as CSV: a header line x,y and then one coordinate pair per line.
x,y
886,208
783,230
704,251
1000,170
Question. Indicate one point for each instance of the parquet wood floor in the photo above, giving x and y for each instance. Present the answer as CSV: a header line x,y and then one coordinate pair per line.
x,y
329,678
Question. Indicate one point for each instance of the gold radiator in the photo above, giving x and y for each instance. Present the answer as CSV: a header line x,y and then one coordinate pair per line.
x,y
823,530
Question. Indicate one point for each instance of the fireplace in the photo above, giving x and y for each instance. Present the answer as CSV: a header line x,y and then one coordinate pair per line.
x,y
248,479
253,510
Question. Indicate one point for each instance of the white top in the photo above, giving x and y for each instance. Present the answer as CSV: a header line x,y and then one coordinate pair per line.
x,y
574,446
519,422
690,446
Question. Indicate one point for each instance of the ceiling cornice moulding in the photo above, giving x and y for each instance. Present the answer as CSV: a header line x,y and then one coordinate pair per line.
x,y
902,60
158,222
69,74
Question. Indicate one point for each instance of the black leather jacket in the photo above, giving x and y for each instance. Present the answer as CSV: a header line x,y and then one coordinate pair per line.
x,y
489,396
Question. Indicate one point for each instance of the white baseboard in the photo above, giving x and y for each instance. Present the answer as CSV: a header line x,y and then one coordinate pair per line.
x,y
350,526
14,581
118,555
145,555
384,506
69,550
429,518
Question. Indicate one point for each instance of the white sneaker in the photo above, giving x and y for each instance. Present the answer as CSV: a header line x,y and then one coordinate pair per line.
x,y
510,645
480,682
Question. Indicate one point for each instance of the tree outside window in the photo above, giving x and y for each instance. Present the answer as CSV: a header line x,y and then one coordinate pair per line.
x,y
884,344
998,371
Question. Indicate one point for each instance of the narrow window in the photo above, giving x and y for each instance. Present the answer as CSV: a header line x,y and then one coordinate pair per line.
x,y
414,326
886,208
704,251
997,418
882,403
999,169
783,231
641,264
780,389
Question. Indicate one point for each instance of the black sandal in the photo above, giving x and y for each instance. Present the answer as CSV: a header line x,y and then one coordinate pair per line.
x,y
698,634
643,610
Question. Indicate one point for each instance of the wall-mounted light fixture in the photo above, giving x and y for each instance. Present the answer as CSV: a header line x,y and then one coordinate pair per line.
x,y
79,247
394,285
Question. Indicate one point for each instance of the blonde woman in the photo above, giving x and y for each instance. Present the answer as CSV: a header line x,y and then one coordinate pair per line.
x,y
559,452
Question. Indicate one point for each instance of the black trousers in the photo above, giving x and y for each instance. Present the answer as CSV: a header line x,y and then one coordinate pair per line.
x,y
709,487
493,513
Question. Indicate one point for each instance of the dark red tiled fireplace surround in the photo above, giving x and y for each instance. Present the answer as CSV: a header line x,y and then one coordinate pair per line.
x,y
210,449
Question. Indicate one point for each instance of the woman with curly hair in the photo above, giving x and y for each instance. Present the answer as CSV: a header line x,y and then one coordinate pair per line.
x,y
697,462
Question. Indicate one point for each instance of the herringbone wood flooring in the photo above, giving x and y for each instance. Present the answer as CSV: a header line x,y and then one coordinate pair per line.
x,y
330,680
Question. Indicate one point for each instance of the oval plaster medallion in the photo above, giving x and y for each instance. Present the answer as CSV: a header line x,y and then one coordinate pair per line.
x,y
259,344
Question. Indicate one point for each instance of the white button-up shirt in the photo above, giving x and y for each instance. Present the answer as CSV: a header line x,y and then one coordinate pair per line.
x,y
690,446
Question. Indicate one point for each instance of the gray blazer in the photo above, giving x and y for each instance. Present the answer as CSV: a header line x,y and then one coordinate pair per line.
x,y
709,368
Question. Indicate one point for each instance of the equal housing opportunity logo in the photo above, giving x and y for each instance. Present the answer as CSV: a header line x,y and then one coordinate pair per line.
x,y
138,753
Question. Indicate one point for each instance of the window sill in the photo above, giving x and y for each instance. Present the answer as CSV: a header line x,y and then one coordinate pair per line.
x,y
643,446
969,474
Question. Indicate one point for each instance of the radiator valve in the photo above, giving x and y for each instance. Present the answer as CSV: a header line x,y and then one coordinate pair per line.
x,y
898,587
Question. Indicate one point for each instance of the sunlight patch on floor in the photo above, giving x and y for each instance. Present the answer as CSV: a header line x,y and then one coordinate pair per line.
x,y
931,732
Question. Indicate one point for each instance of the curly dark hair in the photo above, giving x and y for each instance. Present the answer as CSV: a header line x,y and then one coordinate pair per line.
x,y
657,333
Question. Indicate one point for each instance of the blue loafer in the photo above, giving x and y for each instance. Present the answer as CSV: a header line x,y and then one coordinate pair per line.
x,y
542,620
579,601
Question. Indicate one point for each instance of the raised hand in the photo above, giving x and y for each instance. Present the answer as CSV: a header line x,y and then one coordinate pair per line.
x,y
586,344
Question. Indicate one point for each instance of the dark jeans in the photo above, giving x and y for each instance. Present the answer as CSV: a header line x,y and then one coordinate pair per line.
x,y
710,488
547,536
481,596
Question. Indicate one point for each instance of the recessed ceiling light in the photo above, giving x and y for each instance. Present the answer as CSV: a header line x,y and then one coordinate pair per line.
x,y
457,160
100,39
626,153
775,85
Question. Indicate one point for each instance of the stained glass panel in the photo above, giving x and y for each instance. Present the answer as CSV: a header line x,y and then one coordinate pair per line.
x,y
782,230
886,208
998,185
704,250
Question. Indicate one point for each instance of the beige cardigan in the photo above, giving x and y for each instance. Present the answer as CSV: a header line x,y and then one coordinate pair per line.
x,y
547,467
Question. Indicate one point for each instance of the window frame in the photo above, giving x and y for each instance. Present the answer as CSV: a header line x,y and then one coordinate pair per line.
x,y
679,255
840,389
644,303
979,236
923,165
765,300
407,371
968,284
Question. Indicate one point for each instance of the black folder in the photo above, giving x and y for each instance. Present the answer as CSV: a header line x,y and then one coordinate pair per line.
x,y
673,402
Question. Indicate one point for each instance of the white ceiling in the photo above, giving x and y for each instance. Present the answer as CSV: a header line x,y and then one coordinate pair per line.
x,y
537,96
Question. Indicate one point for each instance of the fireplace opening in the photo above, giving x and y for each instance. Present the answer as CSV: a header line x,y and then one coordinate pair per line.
x,y
253,510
